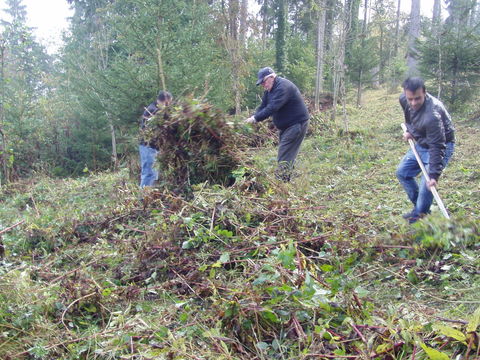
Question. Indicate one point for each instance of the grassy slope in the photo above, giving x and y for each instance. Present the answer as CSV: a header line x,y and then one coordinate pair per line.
x,y
259,270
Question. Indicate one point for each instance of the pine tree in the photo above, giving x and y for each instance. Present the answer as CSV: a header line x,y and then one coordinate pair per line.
x,y
449,54
24,64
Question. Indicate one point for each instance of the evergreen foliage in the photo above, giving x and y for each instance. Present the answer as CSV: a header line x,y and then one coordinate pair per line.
x,y
450,54
24,68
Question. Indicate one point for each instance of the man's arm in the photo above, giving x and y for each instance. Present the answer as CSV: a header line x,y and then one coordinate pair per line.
x,y
252,118
278,98
150,110
435,138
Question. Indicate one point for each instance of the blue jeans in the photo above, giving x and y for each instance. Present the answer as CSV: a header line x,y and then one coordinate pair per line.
x,y
407,171
147,161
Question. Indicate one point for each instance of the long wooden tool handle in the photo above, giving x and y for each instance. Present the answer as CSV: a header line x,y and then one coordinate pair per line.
x,y
425,174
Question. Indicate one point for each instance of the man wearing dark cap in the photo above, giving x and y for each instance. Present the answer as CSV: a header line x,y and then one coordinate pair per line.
x,y
282,100
147,153
430,125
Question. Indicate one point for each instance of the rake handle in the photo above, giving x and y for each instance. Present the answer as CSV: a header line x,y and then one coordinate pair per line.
x,y
425,174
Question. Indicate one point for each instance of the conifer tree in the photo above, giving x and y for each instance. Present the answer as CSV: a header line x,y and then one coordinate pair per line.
x,y
24,64
449,54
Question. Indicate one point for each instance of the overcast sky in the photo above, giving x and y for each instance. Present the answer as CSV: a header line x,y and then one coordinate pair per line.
x,y
49,18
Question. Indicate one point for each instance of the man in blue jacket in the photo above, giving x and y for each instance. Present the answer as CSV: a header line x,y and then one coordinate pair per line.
x,y
430,125
147,153
282,100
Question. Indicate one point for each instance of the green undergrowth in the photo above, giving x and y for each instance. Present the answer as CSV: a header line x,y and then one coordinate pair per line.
x,y
322,267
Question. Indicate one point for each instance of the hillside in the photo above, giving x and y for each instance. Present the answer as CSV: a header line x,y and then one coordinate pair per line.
x,y
323,267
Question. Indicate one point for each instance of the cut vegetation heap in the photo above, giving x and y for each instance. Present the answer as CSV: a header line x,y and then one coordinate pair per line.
x,y
195,145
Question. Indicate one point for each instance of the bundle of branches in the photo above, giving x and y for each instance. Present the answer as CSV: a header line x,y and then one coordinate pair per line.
x,y
195,144
258,135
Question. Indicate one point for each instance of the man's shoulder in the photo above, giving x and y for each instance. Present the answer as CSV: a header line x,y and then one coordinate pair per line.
x,y
286,82
286,86
150,109
152,105
436,106
436,103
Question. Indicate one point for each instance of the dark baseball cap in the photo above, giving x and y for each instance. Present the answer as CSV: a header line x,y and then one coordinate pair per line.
x,y
264,72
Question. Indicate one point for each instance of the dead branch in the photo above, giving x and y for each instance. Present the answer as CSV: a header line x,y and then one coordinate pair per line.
x,y
12,227
73,303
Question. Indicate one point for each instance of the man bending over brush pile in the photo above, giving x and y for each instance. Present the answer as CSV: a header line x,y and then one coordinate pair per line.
x,y
282,100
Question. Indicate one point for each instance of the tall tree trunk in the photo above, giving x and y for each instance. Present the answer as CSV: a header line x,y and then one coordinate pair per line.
x,y
329,55
280,41
320,49
353,8
160,73
330,22
454,82
243,21
436,32
381,69
472,13
364,35
240,43
397,30
3,145
264,14
114,142
437,14
339,63
3,155
413,34
234,40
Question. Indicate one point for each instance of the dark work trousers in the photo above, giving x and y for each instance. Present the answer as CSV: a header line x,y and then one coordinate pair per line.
x,y
290,140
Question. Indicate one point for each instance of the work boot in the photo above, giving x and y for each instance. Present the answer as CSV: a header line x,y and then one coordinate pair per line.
x,y
283,174
413,219
409,214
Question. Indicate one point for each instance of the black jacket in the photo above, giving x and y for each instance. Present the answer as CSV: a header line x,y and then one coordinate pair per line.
x,y
285,103
149,112
432,128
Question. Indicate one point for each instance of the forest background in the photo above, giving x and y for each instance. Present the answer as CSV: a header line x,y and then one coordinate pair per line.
x,y
77,110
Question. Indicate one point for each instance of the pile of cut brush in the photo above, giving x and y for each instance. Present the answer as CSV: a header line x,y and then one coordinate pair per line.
x,y
195,143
